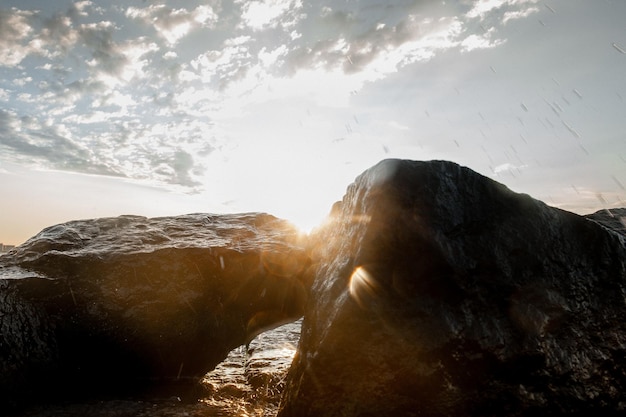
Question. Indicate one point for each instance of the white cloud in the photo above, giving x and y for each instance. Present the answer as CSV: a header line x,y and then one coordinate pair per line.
x,y
21,82
115,98
519,14
225,66
135,52
244,71
258,14
269,58
170,55
508,167
26,97
433,38
58,35
173,24
119,63
484,7
483,41
81,7
15,30
91,118
237,41
204,15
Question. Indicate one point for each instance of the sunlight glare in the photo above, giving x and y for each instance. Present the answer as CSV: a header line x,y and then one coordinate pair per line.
x,y
363,287
306,219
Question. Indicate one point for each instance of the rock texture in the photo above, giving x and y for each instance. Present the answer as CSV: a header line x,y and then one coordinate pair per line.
x,y
126,303
614,219
439,292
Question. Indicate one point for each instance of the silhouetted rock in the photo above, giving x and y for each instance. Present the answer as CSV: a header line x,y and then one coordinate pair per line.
x,y
127,303
439,292
614,219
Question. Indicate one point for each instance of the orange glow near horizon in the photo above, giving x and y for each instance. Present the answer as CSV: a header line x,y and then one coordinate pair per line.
x,y
37,199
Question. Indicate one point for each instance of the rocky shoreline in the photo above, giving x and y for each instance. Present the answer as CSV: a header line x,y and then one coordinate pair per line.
x,y
429,290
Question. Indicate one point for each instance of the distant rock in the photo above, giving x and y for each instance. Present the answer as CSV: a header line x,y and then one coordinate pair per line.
x,y
124,304
614,219
439,292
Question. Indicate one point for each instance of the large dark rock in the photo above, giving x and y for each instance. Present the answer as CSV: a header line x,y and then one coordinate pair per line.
x,y
122,304
439,292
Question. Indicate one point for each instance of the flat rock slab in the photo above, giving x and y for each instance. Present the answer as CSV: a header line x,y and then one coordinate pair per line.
x,y
127,303
439,292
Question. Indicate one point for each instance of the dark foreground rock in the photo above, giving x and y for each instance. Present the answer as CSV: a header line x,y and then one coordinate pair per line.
x,y
129,303
439,292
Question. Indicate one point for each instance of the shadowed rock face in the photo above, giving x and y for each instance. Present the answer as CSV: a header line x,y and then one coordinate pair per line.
x,y
439,292
124,303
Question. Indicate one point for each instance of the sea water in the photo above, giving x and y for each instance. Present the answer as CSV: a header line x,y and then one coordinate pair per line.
x,y
248,383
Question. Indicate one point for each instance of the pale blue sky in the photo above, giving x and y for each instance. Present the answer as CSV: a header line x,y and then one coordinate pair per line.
x,y
169,107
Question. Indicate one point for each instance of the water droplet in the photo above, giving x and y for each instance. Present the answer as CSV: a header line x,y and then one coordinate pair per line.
x,y
572,130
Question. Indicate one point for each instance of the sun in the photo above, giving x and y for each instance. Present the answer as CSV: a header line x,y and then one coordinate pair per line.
x,y
304,217
306,226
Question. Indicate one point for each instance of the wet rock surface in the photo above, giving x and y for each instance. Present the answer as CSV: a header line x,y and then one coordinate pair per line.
x,y
128,304
439,292
431,291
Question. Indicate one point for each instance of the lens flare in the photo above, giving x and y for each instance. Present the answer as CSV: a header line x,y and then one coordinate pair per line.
x,y
363,287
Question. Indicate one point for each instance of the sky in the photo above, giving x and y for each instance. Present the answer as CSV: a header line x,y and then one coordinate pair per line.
x,y
169,107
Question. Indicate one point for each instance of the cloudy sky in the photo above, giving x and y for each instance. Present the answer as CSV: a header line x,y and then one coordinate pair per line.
x,y
169,107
